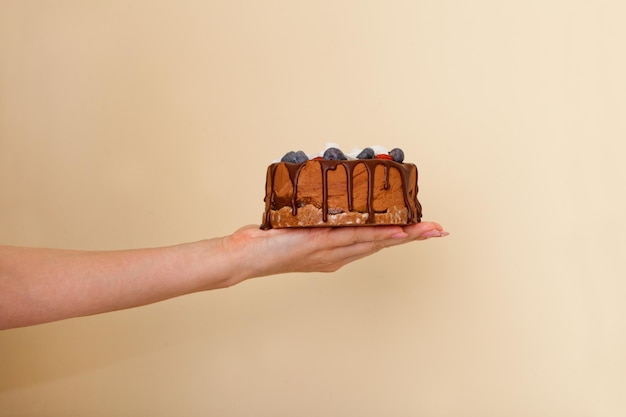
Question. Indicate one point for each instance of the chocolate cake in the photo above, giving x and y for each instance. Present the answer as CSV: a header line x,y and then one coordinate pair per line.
x,y
337,190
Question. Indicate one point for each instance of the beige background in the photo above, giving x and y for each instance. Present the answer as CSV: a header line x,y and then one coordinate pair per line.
x,y
120,122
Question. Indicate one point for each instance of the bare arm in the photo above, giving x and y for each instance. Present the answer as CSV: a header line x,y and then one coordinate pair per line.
x,y
43,285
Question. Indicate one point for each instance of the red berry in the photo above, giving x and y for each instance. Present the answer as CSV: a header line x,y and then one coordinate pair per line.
x,y
384,156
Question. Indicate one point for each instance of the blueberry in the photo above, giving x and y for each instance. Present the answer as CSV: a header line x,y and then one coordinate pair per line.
x,y
367,153
334,154
295,157
289,157
301,157
397,154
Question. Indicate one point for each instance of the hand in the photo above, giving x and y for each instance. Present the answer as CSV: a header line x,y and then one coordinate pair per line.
x,y
41,285
274,251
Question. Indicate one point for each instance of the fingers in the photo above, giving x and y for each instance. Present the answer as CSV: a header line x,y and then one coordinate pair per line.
x,y
393,234
424,230
347,236
364,242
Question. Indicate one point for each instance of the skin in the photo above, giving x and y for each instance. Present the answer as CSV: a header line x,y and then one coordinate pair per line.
x,y
39,285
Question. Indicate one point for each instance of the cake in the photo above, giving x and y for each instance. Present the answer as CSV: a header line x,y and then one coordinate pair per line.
x,y
372,187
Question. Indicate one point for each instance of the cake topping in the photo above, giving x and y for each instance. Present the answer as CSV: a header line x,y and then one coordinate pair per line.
x,y
295,157
397,154
367,153
334,154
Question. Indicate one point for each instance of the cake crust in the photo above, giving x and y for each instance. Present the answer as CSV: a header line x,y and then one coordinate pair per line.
x,y
331,193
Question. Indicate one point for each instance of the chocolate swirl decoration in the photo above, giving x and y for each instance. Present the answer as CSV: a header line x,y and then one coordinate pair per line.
x,y
414,210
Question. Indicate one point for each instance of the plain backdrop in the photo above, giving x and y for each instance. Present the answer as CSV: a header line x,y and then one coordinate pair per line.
x,y
139,123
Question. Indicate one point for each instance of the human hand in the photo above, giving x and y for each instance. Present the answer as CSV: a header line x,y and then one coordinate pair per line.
x,y
41,285
275,251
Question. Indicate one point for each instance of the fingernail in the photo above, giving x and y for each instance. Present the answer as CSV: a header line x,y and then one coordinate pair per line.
x,y
435,233
399,235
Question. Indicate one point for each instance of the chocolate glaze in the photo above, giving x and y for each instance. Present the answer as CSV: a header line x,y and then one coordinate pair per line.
x,y
414,208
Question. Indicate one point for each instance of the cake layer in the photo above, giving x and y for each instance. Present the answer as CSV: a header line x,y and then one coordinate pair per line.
x,y
341,193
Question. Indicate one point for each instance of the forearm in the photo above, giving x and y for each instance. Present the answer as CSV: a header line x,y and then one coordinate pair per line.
x,y
41,285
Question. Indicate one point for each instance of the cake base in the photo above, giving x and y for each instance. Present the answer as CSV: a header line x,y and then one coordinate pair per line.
x,y
311,216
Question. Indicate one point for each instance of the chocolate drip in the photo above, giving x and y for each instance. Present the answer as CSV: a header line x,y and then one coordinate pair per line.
x,y
294,172
326,166
414,208
404,175
271,193
350,187
370,192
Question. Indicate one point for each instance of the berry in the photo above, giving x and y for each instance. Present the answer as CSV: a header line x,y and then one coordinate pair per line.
x,y
384,156
397,154
334,154
289,157
367,153
295,157
301,157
